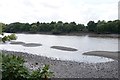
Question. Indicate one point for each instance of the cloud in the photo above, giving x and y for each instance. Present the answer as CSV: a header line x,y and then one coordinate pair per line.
x,y
80,11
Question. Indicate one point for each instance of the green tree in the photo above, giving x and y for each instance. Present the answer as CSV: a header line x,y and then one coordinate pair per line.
x,y
2,27
44,27
91,26
58,28
118,26
80,27
66,27
33,28
52,25
101,27
13,27
25,27
73,26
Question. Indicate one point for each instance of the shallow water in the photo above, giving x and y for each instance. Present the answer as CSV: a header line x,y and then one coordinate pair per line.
x,y
82,43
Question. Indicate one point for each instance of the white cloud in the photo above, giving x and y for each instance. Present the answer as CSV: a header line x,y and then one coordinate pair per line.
x,y
80,11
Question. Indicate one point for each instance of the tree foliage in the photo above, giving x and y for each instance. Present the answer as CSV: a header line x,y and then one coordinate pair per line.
x,y
108,27
91,26
54,27
9,37
104,27
13,68
2,27
60,27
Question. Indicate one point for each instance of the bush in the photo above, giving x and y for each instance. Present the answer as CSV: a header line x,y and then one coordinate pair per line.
x,y
40,74
13,69
9,37
12,37
4,39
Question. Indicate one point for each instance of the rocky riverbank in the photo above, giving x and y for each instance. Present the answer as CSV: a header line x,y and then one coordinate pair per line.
x,y
70,69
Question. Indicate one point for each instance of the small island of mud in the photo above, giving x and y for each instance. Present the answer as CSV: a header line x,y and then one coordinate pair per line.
x,y
32,45
108,54
63,48
25,44
17,43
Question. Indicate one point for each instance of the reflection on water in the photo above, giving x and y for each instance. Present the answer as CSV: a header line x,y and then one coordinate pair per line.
x,y
82,43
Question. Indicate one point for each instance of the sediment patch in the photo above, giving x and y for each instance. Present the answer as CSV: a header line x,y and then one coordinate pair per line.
x,y
108,54
17,42
63,48
32,45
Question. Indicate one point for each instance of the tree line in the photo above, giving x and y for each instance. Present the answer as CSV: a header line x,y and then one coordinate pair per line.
x,y
59,27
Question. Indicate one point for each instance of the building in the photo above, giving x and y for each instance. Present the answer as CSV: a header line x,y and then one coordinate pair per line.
x,y
119,10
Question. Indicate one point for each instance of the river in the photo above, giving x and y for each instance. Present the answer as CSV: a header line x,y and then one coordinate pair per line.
x,y
82,43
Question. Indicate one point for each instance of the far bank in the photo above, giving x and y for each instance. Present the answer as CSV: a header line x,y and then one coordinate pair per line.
x,y
76,34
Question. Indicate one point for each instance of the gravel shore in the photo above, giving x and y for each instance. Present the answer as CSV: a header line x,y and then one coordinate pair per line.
x,y
71,69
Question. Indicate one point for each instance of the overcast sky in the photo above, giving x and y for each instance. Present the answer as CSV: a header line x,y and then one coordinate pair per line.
x,y
80,11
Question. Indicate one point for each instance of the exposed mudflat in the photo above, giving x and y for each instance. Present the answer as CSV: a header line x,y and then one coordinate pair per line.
x,y
25,44
108,54
32,45
17,42
64,48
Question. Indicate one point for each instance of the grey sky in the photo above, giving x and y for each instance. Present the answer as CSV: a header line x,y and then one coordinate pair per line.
x,y
80,11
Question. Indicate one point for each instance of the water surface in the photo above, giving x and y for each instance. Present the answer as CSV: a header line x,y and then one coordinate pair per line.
x,y
81,43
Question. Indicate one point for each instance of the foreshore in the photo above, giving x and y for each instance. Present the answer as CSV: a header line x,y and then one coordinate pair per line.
x,y
70,69
108,54
64,48
78,34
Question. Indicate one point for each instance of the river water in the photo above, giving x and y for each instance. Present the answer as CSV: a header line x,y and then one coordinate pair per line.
x,y
82,43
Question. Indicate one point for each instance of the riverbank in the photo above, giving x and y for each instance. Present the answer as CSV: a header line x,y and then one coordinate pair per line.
x,y
70,69
79,34
93,35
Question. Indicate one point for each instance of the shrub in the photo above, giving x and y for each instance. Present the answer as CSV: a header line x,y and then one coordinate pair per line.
x,y
5,38
12,37
40,74
13,69
9,37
